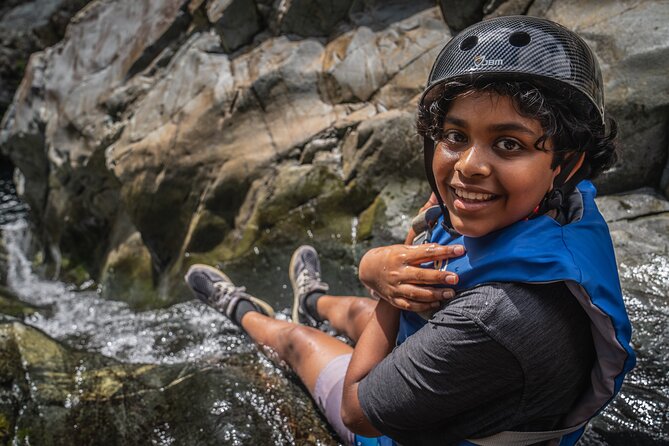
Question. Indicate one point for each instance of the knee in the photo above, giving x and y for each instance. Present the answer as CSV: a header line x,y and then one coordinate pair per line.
x,y
360,308
296,342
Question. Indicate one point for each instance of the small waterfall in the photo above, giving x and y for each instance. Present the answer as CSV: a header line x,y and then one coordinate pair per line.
x,y
184,332
17,240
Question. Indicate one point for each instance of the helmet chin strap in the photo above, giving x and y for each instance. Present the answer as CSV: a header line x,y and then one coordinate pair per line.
x,y
562,185
428,154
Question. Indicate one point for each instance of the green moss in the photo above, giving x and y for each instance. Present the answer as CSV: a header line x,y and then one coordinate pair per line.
x,y
369,219
293,188
73,273
6,429
12,306
128,275
20,64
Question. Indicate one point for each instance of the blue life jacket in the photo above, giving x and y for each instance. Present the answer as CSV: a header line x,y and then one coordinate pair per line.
x,y
541,250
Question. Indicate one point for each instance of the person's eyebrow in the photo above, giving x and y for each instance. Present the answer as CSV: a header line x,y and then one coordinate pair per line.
x,y
501,127
455,121
511,126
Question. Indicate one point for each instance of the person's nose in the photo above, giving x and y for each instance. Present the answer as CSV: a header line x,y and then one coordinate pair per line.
x,y
473,162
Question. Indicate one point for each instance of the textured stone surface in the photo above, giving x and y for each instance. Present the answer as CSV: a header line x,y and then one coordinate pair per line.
x,y
311,17
26,27
54,395
631,41
236,21
358,63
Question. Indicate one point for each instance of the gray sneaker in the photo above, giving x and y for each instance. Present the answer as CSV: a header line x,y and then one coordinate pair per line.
x,y
216,289
305,277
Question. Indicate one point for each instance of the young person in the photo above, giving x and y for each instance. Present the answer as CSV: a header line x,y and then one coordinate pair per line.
x,y
536,340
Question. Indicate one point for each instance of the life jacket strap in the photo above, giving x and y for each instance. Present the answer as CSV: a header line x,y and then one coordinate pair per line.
x,y
514,438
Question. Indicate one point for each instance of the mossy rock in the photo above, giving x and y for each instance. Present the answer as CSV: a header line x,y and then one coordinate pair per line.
x,y
53,395
210,231
128,275
73,273
11,305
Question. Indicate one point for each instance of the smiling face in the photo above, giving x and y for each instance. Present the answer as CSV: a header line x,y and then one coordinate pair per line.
x,y
488,171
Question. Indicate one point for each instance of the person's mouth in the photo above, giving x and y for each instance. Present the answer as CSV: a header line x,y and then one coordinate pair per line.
x,y
472,200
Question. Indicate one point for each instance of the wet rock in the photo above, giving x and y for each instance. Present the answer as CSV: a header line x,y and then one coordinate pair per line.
x,y
11,304
639,224
54,395
128,270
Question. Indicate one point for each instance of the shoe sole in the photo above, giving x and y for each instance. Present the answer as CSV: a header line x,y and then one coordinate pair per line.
x,y
267,308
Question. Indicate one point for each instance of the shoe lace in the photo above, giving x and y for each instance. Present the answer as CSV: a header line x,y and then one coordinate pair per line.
x,y
308,281
226,290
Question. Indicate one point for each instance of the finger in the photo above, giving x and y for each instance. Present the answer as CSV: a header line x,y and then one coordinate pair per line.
x,y
404,304
422,294
425,276
431,251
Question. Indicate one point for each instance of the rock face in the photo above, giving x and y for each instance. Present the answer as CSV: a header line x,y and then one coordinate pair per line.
x,y
53,395
157,134
630,39
26,27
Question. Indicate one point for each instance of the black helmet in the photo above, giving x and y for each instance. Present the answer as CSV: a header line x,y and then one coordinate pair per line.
x,y
520,46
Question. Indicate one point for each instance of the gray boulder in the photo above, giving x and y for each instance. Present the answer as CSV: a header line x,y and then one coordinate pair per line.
x,y
26,27
630,39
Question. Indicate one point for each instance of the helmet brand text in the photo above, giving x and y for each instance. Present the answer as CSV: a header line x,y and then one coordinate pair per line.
x,y
481,61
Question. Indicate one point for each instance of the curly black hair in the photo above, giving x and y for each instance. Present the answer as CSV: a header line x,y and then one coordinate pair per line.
x,y
568,118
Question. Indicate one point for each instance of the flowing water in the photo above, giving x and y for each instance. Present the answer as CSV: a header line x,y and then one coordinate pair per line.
x,y
190,333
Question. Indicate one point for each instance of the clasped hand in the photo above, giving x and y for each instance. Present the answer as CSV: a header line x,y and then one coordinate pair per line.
x,y
393,273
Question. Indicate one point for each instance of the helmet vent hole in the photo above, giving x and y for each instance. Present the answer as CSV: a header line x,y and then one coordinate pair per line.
x,y
519,39
469,43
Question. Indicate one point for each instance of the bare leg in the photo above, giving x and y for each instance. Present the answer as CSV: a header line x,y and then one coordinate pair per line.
x,y
347,314
306,350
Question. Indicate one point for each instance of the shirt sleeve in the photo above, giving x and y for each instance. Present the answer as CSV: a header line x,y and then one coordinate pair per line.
x,y
445,373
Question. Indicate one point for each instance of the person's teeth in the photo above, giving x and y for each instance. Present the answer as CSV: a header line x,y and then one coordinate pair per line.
x,y
472,195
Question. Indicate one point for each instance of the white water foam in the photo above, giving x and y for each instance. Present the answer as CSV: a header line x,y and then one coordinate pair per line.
x,y
185,332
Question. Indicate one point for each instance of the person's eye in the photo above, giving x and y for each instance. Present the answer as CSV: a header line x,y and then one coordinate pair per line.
x,y
508,145
454,137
